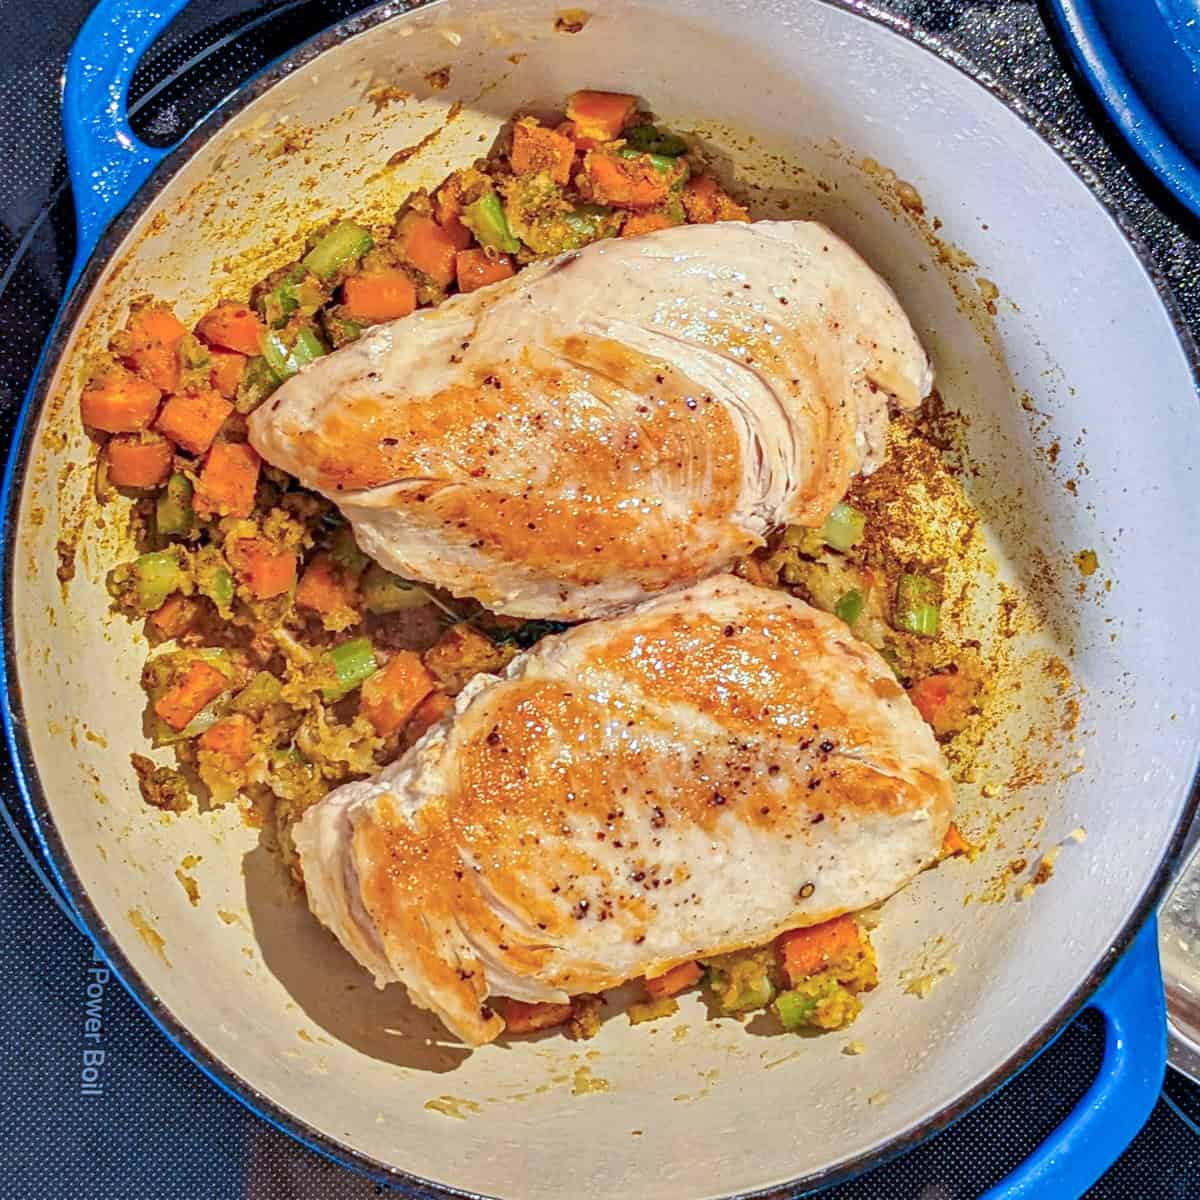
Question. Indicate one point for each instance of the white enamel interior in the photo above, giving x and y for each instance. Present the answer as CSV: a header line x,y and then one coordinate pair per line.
x,y
1080,329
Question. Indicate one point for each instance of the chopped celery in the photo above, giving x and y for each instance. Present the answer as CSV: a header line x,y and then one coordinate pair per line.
x,y
345,552
850,606
220,587
260,693
344,244
662,163
918,607
649,139
155,576
844,527
173,515
794,1009
214,578
588,222
297,292
307,348
384,592
285,362
258,382
276,355
486,220
340,329
741,981
350,663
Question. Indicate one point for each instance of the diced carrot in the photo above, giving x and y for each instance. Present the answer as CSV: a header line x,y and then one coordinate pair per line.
x,y
232,326
946,700
520,1017
174,617
138,460
929,694
179,704
425,244
457,232
392,695
536,148
626,182
152,339
119,402
379,296
228,367
230,738
428,713
954,842
266,570
476,269
228,481
600,115
648,222
324,587
192,419
705,201
809,950
675,980
582,144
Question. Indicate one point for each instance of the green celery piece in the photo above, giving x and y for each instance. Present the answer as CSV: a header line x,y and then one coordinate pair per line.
x,y
794,1009
587,222
384,592
260,693
344,244
297,292
844,527
258,382
155,576
486,220
660,162
850,606
649,139
277,356
307,348
173,515
285,362
339,329
918,608
351,664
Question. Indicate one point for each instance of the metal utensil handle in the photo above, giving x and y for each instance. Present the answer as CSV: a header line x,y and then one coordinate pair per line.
x,y
1120,1101
106,161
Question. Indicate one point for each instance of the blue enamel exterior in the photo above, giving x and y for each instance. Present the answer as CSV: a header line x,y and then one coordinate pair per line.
x,y
108,165
1142,59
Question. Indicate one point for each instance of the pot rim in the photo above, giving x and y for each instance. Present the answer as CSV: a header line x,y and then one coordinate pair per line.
x,y
25,768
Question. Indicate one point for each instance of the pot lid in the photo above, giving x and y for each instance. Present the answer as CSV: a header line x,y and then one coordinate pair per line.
x,y
1142,60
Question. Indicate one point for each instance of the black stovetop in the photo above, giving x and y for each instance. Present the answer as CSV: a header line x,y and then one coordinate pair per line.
x,y
161,1129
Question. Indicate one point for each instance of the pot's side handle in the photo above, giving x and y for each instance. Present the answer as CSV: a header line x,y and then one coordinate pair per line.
x,y
1120,1101
107,164
106,161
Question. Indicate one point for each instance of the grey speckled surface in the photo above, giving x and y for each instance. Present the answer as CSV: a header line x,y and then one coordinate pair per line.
x,y
161,1130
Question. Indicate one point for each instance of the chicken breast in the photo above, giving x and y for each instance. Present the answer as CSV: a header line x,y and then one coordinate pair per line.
x,y
609,423
707,771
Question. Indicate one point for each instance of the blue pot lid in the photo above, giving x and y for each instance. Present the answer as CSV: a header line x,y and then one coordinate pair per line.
x,y
1142,58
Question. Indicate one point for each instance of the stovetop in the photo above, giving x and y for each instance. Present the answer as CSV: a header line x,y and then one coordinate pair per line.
x,y
160,1129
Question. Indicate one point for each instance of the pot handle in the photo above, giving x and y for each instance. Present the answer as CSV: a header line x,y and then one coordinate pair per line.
x,y
106,161
1124,1093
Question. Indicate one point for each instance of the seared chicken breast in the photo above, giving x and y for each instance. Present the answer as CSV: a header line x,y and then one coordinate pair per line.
x,y
698,775
609,423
